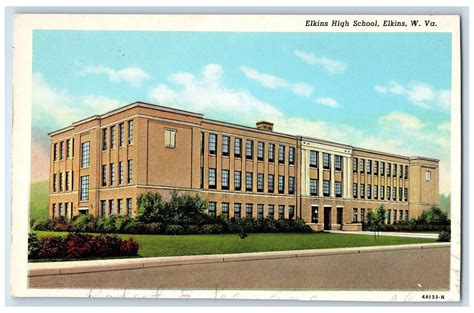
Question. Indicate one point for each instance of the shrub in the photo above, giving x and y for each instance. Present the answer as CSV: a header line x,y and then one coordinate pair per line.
x,y
133,226
33,246
433,216
153,228
444,236
43,224
150,208
129,247
107,224
174,230
211,229
51,247
84,223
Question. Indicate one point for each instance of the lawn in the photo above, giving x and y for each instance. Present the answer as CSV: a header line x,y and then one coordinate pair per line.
x,y
169,245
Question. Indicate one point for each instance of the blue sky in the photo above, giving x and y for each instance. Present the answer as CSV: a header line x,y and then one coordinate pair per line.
x,y
387,91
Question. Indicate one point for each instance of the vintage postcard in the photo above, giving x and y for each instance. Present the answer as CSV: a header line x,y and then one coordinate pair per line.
x,y
306,157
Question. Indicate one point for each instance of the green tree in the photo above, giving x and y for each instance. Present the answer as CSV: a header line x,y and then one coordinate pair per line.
x,y
376,220
185,209
433,216
150,208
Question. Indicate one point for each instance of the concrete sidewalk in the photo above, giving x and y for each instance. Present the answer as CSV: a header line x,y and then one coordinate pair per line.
x,y
392,234
76,267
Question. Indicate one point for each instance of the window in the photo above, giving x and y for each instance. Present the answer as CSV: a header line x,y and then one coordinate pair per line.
x,y
248,181
129,206
291,212
326,160
362,165
271,211
313,158
354,215
212,178
291,157
401,171
362,191
376,192
382,192
271,152
388,169
211,209
112,174
313,187
281,212
225,210
68,148
121,128
406,171
354,190
225,145
406,194
238,147
388,192
112,137
260,180
382,168
428,175
170,138
281,154
202,143
130,171
394,216
249,210
103,207
67,181
225,179
54,210
376,167
394,173
406,215
354,165
369,191
84,188
61,150
260,150
55,151
55,183
394,193
260,212
237,180
120,172
369,166
119,206
60,181
389,214
400,215
400,194
338,163
85,156
249,149
291,185
362,215
326,188
212,143
237,207
281,184
60,209
338,189
104,139
201,177
130,132
271,183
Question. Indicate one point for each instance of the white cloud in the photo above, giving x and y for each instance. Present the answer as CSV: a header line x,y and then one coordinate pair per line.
x,y
132,75
445,127
273,82
330,102
331,66
420,94
403,120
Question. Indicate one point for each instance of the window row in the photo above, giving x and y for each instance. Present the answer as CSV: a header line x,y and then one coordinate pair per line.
x,y
392,216
62,210
114,172
63,149
314,188
249,149
386,168
109,135
63,181
250,210
314,158
108,207
386,193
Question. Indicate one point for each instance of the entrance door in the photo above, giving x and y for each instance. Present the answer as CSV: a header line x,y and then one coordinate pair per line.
x,y
314,214
327,218
339,215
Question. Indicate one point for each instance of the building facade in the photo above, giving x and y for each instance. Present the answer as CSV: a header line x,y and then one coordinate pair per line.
x,y
101,164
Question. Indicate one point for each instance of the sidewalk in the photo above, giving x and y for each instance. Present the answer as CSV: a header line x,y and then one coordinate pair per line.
x,y
392,234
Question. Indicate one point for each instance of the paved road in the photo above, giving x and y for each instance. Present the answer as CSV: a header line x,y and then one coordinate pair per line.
x,y
387,233
401,270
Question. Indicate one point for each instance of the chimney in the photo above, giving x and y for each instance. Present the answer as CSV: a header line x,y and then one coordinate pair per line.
x,y
267,126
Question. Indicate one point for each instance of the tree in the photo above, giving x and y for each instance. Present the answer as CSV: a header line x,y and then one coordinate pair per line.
x,y
185,209
433,216
150,208
376,220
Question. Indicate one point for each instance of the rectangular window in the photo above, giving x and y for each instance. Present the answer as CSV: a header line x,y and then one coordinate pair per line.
x,y
354,165
326,188
406,171
249,210
271,152
55,151
362,166
313,187
260,212
130,171
394,193
170,138
369,191
130,132
369,166
338,163
281,212
119,206
354,215
281,184
225,179
394,173
225,145
338,189
202,177
249,149
271,183
362,191
121,130
382,192
211,209
237,208
112,137
60,209
260,150
382,168
248,181
394,216
376,191
376,167
120,172
202,143
61,150
406,194
400,169
362,215
406,215
326,160
68,148
103,207
60,181
291,212
400,194
354,190
212,143
225,210
54,210
388,169
388,192
281,154
313,158
260,180
212,178
72,180
129,206
111,207
291,185
71,152
271,211
84,188
389,215
428,175
112,174
291,157
66,181
238,147
237,180
85,154
400,215
104,139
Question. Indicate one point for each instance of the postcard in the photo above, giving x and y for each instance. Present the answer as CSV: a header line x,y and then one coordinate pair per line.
x,y
303,157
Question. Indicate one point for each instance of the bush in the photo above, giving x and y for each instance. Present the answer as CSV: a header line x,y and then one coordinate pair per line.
x,y
174,230
43,224
433,216
46,247
33,246
444,236
211,229
153,228
84,223
107,224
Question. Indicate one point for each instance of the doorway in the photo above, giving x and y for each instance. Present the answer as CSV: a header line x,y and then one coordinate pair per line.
x,y
340,214
327,218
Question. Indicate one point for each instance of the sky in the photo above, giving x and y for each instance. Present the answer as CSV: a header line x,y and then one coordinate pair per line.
x,y
385,91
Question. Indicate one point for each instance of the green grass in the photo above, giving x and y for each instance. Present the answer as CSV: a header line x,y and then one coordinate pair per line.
x,y
39,199
168,245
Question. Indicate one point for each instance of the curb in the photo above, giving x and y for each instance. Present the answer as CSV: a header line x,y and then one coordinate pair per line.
x,y
79,267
